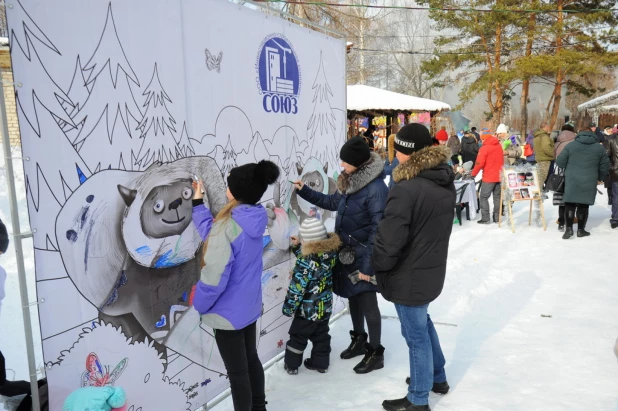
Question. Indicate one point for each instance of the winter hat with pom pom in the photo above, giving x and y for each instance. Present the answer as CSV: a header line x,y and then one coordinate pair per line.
x,y
249,182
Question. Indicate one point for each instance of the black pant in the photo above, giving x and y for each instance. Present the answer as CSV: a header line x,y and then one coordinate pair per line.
x,y
2,369
582,215
561,215
301,331
244,369
363,307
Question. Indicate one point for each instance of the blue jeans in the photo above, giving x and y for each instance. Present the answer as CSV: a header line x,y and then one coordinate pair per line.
x,y
426,358
614,203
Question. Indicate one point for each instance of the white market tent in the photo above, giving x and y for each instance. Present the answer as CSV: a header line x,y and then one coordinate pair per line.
x,y
365,98
603,108
366,101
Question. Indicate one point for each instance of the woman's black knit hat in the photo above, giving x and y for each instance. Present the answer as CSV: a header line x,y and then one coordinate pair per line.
x,y
249,182
355,152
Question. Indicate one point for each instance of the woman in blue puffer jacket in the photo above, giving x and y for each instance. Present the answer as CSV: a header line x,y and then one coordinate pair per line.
x,y
359,202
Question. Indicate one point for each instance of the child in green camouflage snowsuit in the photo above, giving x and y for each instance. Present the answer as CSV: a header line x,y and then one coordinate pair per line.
x,y
310,297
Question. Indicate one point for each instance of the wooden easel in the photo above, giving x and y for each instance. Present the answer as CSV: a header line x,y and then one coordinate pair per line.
x,y
536,197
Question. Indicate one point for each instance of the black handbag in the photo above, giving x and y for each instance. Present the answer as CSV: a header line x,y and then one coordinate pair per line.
x,y
555,182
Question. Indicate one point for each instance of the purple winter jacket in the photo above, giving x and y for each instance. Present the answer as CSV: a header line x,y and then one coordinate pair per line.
x,y
229,293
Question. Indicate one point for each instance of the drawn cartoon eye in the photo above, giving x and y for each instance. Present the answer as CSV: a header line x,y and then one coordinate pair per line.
x,y
159,206
317,182
187,193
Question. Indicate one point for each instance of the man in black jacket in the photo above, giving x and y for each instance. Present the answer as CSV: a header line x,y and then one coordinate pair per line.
x,y
410,253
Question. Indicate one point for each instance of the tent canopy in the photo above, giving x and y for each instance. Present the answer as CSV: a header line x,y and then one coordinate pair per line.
x,y
596,104
364,98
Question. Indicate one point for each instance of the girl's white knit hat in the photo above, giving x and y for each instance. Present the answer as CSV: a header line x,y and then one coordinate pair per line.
x,y
312,229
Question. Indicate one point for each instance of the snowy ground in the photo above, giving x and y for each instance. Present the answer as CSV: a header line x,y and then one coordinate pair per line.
x,y
12,337
502,355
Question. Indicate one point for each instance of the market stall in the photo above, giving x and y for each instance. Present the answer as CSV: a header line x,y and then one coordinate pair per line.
x,y
371,102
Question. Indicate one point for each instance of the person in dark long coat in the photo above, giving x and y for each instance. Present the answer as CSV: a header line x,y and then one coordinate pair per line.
x,y
585,164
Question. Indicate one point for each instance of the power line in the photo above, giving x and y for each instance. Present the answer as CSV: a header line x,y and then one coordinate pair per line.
x,y
460,9
473,52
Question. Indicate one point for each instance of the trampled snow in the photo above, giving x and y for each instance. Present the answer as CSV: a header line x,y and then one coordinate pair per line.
x,y
527,321
503,354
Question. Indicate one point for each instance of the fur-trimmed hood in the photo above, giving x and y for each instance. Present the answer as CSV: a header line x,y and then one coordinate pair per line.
x,y
365,174
332,243
430,162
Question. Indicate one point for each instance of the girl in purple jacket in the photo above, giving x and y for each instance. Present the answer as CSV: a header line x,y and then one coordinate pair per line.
x,y
229,293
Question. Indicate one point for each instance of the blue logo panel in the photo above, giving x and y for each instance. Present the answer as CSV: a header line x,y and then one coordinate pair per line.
x,y
279,77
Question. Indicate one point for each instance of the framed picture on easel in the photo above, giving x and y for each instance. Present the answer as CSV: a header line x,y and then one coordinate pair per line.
x,y
520,183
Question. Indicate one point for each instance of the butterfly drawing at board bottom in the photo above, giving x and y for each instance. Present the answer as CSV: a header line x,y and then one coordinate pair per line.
x,y
206,382
280,344
97,375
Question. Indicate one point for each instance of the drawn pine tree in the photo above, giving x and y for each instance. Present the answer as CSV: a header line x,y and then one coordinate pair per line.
x,y
49,180
225,157
157,125
183,144
39,87
108,118
78,92
322,129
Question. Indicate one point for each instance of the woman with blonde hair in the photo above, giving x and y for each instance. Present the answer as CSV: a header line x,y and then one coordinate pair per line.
x,y
229,293
390,161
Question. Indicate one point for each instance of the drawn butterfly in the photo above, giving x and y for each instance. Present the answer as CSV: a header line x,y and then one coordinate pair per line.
x,y
213,62
97,375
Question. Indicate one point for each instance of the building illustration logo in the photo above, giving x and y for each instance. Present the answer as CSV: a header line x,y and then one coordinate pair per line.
x,y
279,78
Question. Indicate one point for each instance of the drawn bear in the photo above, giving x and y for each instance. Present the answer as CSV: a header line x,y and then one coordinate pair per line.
x,y
316,178
129,246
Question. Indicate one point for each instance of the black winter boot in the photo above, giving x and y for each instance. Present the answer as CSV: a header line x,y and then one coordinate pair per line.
x,y
403,404
259,407
309,365
582,218
438,387
357,346
290,370
374,360
568,233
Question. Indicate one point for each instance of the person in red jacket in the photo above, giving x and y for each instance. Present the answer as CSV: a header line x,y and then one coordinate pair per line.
x,y
490,160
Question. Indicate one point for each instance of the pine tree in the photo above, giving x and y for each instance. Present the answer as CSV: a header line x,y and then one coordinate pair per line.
x,y
106,118
479,46
183,144
50,180
50,98
578,41
322,128
78,92
155,123
225,157
41,200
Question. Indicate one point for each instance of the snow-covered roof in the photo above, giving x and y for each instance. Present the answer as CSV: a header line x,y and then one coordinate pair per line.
x,y
596,102
363,98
